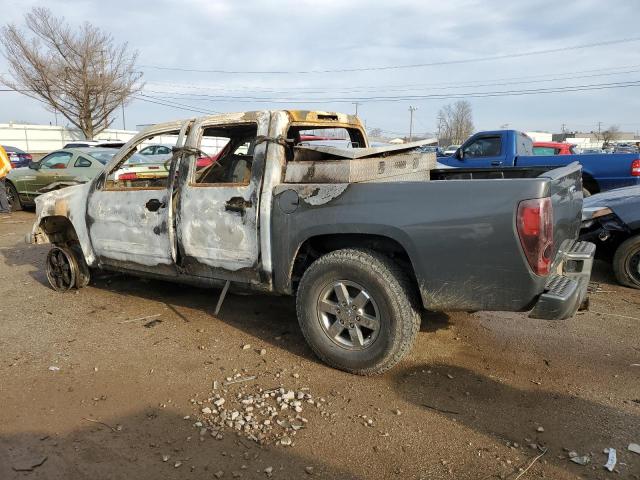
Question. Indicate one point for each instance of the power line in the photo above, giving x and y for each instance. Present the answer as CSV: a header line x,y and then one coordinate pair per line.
x,y
396,67
439,86
499,93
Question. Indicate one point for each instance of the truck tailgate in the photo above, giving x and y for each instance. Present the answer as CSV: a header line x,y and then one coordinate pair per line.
x,y
565,191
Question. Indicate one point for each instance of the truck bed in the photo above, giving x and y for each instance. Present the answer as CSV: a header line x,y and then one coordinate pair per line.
x,y
459,234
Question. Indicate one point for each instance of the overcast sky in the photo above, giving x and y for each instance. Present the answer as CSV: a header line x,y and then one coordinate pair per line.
x,y
296,36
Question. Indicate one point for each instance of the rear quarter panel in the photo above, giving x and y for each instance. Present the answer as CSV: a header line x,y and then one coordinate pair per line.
x,y
460,235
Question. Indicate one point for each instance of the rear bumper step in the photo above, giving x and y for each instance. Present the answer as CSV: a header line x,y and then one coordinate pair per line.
x,y
566,291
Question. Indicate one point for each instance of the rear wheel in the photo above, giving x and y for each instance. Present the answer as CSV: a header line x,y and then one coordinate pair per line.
x,y
626,262
13,197
358,311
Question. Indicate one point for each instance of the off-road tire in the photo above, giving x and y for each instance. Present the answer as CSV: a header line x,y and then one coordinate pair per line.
x,y
396,298
623,259
12,192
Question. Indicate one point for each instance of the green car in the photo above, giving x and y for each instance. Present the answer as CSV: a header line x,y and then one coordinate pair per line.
x,y
61,168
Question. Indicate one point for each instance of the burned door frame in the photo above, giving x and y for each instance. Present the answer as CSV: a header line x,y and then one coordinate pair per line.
x,y
217,225
128,249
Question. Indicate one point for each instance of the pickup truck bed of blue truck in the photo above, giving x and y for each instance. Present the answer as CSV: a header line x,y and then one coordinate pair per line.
x,y
510,148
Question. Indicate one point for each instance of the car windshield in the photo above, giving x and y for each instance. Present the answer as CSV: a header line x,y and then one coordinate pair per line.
x,y
103,157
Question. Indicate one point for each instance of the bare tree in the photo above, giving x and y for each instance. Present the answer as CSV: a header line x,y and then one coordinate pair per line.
x,y
375,132
80,73
455,122
609,134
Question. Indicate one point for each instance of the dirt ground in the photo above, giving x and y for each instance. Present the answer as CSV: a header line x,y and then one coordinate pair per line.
x,y
469,402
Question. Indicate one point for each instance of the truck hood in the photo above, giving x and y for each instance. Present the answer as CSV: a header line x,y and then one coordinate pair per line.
x,y
624,202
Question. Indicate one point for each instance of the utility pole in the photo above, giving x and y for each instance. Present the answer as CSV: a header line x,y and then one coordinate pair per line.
x,y
356,104
124,123
599,127
411,110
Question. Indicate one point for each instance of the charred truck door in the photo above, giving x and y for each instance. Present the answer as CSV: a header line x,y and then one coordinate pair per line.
x,y
219,195
129,213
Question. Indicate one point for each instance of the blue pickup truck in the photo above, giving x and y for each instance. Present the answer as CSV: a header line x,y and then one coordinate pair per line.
x,y
510,148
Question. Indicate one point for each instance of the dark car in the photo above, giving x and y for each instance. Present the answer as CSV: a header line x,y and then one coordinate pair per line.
x,y
17,157
612,221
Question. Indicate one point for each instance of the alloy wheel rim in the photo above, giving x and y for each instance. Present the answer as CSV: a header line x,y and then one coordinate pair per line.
x,y
348,315
60,270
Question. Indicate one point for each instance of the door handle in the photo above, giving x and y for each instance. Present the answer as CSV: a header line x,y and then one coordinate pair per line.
x,y
154,205
237,204
496,163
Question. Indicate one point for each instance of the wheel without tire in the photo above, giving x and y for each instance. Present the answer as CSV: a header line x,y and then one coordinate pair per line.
x,y
358,311
626,262
61,269
82,275
13,197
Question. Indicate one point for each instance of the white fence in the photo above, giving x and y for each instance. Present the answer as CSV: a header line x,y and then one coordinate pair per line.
x,y
45,138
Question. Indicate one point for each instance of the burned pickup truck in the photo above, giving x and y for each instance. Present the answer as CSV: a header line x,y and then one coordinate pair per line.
x,y
365,238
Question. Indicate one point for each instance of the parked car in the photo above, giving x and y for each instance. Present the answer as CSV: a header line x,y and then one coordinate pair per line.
x,y
510,148
61,168
586,151
612,221
306,227
162,151
17,157
554,148
451,149
432,149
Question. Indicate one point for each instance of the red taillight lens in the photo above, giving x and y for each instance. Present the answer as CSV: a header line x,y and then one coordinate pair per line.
x,y
635,168
28,156
535,229
128,176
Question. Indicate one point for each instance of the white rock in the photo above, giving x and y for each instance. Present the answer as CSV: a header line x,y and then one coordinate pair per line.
x,y
219,402
206,410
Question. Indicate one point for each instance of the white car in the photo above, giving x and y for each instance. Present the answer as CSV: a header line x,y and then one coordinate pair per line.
x,y
451,149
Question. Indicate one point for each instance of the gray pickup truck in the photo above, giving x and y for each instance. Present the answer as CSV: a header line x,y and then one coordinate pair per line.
x,y
366,238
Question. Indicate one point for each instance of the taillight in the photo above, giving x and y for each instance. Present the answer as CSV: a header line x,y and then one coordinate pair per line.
x,y
128,176
535,229
27,156
635,168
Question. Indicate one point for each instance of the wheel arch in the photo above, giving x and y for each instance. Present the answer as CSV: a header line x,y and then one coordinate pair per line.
x,y
590,183
315,246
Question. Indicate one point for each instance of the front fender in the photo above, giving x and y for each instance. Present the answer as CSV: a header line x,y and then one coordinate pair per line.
x,y
68,203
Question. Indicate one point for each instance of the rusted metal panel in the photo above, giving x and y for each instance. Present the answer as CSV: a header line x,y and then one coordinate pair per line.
x,y
385,150
404,167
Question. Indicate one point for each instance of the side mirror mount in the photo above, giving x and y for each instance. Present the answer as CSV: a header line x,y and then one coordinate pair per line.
x,y
34,165
459,154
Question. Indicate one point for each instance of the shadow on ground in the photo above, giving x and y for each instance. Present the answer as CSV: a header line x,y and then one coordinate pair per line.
x,y
135,452
507,413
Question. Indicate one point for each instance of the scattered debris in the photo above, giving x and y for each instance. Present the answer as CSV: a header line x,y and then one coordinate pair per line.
x,y
268,471
240,380
219,474
634,447
521,474
113,429
308,470
152,323
165,458
449,376
397,412
263,416
246,346
29,466
442,410
580,460
53,368
148,317
611,461
263,351
540,429
177,464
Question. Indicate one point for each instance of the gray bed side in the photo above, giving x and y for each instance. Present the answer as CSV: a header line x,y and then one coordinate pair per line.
x,y
459,235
